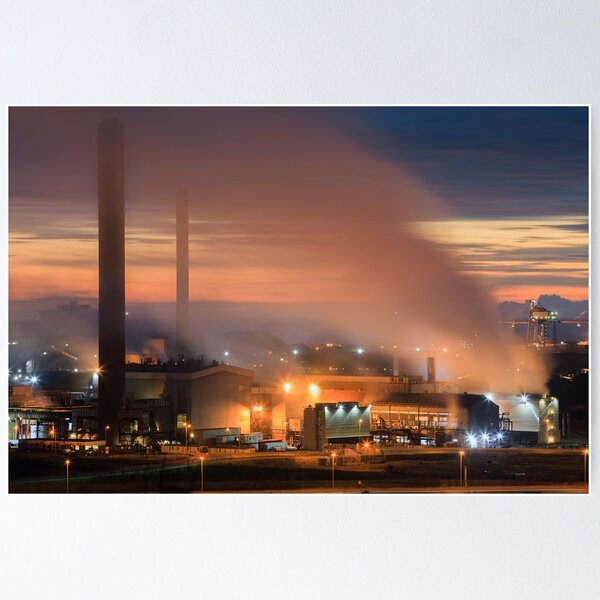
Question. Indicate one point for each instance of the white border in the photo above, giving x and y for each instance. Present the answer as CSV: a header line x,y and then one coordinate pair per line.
x,y
331,53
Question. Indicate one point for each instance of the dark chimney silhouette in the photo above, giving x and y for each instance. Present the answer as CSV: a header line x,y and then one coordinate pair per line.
x,y
430,369
111,259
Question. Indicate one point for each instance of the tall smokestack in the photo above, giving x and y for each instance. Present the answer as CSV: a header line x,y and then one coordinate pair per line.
x,y
111,254
430,369
182,310
395,365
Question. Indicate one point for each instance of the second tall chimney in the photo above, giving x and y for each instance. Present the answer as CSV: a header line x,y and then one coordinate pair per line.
x,y
182,309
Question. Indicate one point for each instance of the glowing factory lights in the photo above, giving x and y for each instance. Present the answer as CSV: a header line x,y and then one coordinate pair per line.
x,y
360,350
295,351
472,439
226,353
314,389
287,387
489,397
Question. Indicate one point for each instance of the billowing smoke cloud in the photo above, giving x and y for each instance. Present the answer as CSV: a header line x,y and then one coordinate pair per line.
x,y
294,207
286,209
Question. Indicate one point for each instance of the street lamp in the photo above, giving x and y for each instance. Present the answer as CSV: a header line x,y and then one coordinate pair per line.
x,y
460,471
359,429
186,426
585,455
202,474
53,432
332,470
67,463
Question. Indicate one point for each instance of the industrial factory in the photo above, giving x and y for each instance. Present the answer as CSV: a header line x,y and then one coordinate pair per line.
x,y
152,401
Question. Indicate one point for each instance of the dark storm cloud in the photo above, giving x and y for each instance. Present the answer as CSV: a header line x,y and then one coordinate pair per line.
x,y
482,161
487,161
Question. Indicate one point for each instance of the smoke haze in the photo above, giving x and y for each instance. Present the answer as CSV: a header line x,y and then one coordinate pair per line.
x,y
286,209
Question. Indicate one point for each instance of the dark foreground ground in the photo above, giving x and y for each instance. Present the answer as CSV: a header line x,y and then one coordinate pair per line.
x,y
404,470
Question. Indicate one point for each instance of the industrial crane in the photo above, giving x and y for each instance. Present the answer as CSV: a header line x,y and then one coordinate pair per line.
x,y
539,320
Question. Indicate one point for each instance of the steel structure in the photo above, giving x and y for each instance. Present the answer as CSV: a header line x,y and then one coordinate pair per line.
x,y
540,323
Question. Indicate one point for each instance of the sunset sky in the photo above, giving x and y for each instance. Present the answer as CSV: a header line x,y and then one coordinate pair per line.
x,y
285,203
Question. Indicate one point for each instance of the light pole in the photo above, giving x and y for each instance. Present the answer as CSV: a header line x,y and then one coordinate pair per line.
x,y
186,426
332,470
460,471
359,430
53,433
202,474
106,430
67,463
585,455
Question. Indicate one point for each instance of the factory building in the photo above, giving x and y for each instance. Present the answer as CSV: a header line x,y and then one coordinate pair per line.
x,y
205,397
432,419
337,423
38,414
530,418
400,418
218,398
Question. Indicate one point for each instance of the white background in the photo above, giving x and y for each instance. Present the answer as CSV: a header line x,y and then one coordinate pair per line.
x,y
324,52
